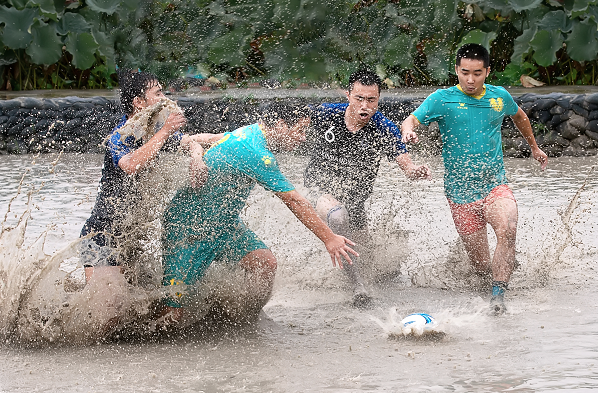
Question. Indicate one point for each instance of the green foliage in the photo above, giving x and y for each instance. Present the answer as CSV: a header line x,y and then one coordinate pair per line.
x,y
78,43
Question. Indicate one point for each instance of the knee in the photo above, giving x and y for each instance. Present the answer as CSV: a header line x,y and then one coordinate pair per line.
x,y
507,231
262,261
338,220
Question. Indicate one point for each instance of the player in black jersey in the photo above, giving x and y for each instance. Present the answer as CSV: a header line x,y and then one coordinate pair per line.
x,y
124,158
348,143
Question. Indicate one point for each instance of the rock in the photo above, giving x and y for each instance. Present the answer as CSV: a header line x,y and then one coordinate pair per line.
x,y
521,145
567,131
583,141
9,105
553,150
557,110
50,104
527,106
514,153
579,110
592,126
576,151
542,116
564,101
592,135
16,146
30,102
553,138
592,98
544,104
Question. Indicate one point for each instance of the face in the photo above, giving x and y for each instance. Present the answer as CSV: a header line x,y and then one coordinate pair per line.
x,y
363,102
288,138
472,75
151,96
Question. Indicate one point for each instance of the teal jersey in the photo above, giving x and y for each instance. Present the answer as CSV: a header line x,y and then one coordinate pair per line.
x,y
471,138
235,164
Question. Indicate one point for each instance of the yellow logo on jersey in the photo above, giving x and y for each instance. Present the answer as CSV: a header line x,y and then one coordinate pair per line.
x,y
462,106
496,104
177,282
268,160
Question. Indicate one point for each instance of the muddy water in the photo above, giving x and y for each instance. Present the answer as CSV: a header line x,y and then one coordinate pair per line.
x,y
309,338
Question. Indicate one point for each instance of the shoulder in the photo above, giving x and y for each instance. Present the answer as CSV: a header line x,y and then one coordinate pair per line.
x,y
498,91
331,108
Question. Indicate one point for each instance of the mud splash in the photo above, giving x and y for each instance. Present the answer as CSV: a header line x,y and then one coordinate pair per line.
x,y
44,298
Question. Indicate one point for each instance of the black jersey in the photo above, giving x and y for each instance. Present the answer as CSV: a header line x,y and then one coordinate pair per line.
x,y
343,163
116,185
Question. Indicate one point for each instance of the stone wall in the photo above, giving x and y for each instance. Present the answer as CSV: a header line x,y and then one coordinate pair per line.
x,y
564,124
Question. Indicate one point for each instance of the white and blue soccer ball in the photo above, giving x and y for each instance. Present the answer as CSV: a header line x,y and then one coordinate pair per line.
x,y
418,324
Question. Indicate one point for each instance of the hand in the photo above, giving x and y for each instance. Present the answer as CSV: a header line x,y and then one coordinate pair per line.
x,y
540,156
175,121
419,172
338,248
409,136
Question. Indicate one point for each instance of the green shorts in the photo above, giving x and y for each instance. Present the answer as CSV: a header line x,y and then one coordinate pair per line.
x,y
187,261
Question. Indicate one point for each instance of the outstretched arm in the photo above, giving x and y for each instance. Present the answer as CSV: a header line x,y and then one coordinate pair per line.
x,y
408,127
522,122
205,139
336,245
411,170
138,159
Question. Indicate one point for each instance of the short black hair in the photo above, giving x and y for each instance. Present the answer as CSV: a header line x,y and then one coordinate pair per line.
x,y
290,113
473,52
134,84
366,78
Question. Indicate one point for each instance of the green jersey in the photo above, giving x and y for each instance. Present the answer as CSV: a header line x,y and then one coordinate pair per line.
x,y
470,128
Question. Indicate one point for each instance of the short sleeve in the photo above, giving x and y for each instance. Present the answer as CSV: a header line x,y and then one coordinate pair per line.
x,y
511,107
387,127
429,111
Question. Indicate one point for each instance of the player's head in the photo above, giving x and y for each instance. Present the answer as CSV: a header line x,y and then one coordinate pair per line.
x,y
366,78
363,96
138,89
473,52
472,68
285,124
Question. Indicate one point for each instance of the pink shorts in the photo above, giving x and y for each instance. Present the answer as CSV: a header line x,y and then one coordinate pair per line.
x,y
471,217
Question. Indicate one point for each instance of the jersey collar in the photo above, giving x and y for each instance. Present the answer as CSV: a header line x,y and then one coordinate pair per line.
x,y
476,97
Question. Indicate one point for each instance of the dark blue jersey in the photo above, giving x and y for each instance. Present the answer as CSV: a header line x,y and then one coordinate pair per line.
x,y
116,186
343,163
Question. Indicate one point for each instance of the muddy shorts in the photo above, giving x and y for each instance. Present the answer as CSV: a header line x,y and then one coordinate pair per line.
x,y
471,217
187,262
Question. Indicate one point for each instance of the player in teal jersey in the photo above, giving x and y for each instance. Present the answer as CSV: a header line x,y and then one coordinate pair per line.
x,y
203,225
470,116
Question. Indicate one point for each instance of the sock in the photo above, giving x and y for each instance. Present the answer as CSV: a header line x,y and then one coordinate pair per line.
x,y
499,288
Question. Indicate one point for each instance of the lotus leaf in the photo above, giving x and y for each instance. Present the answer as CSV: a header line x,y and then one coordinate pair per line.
x,y
83,48
46,47
545,44
17,25
582,44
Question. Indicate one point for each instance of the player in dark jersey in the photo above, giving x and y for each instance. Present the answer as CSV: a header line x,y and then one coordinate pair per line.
x,y
124,158
347,146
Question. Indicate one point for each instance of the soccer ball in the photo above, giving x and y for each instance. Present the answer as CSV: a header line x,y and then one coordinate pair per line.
x,y
418,324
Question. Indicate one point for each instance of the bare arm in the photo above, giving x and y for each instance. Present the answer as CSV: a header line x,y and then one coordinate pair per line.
x,y
408,127
336,245
138,159
412,171
204,139
523,125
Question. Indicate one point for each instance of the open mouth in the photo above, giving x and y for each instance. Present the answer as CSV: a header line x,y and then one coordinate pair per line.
x,y
364,115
